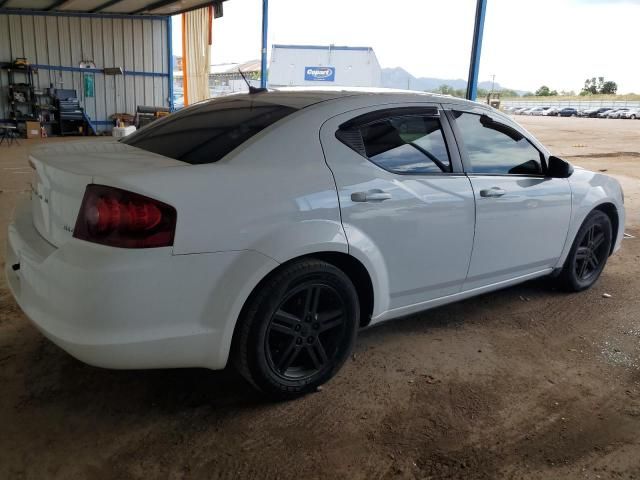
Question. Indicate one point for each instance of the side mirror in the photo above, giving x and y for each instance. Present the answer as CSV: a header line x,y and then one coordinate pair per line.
x,y
558,168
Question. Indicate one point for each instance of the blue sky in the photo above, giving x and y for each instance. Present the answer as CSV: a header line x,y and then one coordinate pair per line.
x,y
526,43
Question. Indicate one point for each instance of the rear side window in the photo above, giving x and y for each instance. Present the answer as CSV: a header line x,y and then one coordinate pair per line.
x,y
207,132
405,145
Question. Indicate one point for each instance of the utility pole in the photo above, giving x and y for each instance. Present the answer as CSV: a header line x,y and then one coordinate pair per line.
x,y
493,82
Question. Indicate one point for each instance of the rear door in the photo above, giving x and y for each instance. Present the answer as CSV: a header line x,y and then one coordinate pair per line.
x,y
403,197
522,216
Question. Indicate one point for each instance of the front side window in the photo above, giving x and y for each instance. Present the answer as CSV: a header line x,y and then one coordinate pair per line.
x,y
493,147
405,145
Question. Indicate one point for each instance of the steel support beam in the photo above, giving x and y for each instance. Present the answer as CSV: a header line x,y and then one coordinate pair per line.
x,y
153,6
104,5
56,4
170,54
263,53
476,49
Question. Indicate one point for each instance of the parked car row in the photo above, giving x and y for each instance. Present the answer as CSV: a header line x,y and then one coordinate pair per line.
x,y
602,112
608,112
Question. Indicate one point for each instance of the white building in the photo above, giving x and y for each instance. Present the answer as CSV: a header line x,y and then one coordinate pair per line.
x,y
320,65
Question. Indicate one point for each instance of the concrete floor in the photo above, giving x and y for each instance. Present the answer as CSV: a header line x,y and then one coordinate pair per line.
x,y
523,383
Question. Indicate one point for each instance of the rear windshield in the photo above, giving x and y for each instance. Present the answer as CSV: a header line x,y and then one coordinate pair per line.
x,y
204,133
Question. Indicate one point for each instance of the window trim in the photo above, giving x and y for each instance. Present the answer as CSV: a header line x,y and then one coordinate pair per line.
x,y
464,156
406,112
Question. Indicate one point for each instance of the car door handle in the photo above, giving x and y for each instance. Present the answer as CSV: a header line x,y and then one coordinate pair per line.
x,y
375,195
492,192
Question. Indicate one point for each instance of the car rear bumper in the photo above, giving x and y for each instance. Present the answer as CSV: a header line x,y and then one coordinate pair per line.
x,y
120,308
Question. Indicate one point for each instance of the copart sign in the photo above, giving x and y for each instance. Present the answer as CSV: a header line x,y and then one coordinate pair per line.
x,y
320,74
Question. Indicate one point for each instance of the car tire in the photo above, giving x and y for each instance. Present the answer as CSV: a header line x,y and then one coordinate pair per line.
x,y
633,117
588,255
297,329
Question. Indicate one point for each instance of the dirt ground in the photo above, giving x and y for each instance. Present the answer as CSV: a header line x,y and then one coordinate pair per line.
x,y
523,383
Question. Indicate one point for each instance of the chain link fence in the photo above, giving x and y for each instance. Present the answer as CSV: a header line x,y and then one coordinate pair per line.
x,y
577,104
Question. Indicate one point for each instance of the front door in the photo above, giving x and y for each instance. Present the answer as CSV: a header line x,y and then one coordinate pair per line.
x,y
522,216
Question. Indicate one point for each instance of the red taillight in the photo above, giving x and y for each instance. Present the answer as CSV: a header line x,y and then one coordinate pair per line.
x,y
118,218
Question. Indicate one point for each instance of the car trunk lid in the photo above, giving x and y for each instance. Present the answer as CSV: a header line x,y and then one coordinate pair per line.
x,y
63,171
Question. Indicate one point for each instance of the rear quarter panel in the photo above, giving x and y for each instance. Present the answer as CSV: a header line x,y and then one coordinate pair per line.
x,y
274,194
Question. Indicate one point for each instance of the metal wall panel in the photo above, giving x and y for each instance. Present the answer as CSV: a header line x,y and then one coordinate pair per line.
x,y
57,44
129,81
351,66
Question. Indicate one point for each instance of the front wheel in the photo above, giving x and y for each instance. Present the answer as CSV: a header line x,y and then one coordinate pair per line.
x,y
588,254
298,329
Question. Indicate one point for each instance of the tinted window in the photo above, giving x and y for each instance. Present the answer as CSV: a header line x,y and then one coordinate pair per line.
x,y
493,147
411,144
206,132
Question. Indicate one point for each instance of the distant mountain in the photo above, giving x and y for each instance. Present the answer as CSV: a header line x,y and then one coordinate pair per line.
x,y
399,78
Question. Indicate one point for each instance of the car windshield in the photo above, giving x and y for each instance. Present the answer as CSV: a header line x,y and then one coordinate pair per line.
x,y
206,132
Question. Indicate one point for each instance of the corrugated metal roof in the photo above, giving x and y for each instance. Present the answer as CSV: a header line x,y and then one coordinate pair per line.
x,y
107,7
321,47
229,68
250,66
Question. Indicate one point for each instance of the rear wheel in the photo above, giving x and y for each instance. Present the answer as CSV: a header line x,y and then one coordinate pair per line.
x,y
298,329
589,253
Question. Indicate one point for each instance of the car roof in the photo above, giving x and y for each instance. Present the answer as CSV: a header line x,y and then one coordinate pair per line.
x,y
302,97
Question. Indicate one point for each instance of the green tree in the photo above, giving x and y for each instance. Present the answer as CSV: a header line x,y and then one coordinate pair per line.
x,y
505,92
449,90
545,91
445,89
594,86
609,88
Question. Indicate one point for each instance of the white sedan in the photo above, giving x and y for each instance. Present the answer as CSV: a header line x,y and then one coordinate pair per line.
x,y
632,113
267,228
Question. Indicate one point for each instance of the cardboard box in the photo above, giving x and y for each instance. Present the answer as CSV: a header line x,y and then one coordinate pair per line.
x,y
33,129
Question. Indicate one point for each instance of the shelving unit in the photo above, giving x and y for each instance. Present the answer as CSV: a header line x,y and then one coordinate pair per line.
x,y
22,101
26,103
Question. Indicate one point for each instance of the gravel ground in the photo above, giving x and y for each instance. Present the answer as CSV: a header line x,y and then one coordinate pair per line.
x,y
523,383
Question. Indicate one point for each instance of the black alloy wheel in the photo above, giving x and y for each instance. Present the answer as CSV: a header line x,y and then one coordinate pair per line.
x,y
589,253
297,329
592,251
305,331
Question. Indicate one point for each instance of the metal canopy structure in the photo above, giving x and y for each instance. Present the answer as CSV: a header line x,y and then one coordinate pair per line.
x,y
166,8
474,64
161,8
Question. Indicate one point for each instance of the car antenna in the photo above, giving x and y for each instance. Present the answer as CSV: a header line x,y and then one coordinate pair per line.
x,y
252,89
